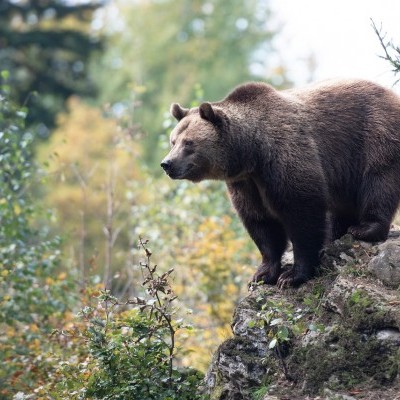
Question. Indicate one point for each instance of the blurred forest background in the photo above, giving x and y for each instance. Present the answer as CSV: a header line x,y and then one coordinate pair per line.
x,y
85,93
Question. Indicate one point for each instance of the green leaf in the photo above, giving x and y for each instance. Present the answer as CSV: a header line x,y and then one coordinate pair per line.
x,y
283,333
251,324
5,74
316,327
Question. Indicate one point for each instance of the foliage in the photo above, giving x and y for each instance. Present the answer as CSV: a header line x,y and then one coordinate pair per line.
x,y
133,346
34,295
46,47
89,162
218,259
196,230
313,299
279,317
215,43
283,322
216,246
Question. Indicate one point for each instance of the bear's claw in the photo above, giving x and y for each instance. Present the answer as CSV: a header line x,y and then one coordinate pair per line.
x,y
266,274
293,277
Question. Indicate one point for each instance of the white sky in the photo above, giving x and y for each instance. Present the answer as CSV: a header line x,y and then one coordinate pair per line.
x,y
338,33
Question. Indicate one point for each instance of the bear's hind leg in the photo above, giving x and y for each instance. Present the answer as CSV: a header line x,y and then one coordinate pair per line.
x,y
339,224
371,231
378,203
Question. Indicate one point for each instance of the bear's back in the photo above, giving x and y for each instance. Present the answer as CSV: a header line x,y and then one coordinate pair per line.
x,y
353,112
355,125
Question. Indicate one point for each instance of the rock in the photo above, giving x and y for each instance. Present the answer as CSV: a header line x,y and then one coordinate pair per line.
x,y
390,334
367,305
386,265
238,368
244,317
337,335
329,395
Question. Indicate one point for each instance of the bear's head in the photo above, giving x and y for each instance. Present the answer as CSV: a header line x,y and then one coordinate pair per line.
x,y
197,144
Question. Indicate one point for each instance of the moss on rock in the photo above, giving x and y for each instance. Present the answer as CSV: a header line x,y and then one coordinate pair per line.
x,y
343,359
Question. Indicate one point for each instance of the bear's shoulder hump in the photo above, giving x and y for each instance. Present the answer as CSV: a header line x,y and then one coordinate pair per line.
x,y
249,91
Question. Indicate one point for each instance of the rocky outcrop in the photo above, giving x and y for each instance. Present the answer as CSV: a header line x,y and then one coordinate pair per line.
x,y
337,337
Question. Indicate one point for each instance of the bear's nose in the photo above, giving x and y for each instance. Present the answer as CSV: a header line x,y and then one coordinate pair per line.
x,y
166,165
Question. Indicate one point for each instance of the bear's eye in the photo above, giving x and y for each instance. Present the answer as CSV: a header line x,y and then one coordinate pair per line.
x,y
173,143
188,142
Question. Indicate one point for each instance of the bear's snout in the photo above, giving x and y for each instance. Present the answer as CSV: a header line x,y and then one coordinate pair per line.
x,y
177,169
166,165
171,168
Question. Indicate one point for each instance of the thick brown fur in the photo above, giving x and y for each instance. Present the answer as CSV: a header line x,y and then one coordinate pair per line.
x,y
297,162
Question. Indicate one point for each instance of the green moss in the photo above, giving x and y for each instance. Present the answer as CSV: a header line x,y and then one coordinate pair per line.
x,y
362,313
355,269
260,392
218,388
344,360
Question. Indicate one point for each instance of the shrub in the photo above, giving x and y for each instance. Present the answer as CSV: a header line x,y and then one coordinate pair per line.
x,y
133,346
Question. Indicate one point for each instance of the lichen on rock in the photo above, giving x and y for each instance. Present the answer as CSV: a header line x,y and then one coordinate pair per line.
x,y
386,265
344,333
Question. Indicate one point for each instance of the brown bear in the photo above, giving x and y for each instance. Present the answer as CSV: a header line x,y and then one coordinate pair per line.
x,y
297,162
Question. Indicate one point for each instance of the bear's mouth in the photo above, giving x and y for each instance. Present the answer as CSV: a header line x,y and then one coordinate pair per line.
x,y
181,174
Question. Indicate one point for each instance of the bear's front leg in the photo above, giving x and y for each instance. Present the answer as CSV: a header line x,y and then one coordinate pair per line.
x,y
270,237
267,232
307,230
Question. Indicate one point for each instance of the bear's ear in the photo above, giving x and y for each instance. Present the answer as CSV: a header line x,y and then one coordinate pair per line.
x,y
208,113
178,112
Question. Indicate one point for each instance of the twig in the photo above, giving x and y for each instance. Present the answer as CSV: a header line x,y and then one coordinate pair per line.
x,y
395,62
284,366
161,307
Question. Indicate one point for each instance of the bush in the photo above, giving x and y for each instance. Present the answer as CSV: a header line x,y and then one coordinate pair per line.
x,y
132,345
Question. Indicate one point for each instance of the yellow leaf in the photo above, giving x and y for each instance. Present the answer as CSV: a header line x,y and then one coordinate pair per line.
x,y
35,344
62,276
